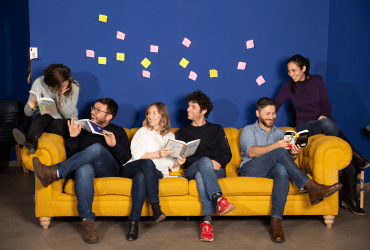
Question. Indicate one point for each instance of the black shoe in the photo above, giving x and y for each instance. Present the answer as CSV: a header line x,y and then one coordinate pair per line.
x,y
348,197
21,139
133,230
157,212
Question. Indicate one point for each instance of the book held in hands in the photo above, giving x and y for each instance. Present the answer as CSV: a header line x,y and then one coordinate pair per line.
x,y
300,138
46,105
180,148
91,126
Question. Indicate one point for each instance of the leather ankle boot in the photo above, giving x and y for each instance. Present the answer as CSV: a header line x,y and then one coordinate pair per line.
x,y
317,192
157,212
276,230
46,174
133,230
360,161
90,233
348,195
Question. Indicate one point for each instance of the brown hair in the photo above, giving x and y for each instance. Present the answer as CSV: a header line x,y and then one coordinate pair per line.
x,y
164,123
264,102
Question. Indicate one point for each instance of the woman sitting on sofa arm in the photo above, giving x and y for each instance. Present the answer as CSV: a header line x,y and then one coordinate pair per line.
x,y
149,143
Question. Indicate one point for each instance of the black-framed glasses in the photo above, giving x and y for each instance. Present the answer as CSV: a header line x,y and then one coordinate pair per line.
x,y
98,110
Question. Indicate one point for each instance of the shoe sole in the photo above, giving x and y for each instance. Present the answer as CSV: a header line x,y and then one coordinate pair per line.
x,y
160,218
91,241
345,205
229,209
206,239
34,162
333,191
19,137
278,241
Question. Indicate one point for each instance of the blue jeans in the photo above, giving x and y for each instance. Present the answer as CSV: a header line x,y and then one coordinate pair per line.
x,y
144,177
93,162
327,127
278,165
206,177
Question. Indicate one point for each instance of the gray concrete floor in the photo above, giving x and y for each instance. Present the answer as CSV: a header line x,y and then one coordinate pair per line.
x,y
19,229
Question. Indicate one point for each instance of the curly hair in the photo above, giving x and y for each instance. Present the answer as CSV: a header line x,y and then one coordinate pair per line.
x,y
165,126
203,101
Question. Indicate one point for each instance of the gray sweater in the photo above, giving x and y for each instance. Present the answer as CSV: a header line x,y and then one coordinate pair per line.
x,y
68,106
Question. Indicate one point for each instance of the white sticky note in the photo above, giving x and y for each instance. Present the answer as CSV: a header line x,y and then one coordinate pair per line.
x,y
260,80
250,44
186,42
120,35
154,48
146,74
241,65
193,76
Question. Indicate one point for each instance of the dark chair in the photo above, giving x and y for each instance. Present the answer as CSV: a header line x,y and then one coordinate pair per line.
x,y
11,117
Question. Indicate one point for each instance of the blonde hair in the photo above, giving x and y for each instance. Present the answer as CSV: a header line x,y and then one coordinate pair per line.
x,y
164,123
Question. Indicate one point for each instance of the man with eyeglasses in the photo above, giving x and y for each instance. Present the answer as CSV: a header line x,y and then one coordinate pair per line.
x,y
89,156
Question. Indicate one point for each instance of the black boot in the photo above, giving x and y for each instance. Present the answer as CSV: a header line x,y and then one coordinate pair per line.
x,y
133,230
348,195
24,140
360,161
157,212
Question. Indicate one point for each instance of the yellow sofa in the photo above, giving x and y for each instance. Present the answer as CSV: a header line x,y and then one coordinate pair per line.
x,y
322,159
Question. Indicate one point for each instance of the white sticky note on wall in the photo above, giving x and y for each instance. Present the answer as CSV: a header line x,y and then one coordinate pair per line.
x,y
34,53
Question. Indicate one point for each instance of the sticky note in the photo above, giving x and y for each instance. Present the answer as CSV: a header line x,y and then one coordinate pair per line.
x,y
102,60
103,18
241,65
145,62
120,56
90,53
213,73
193,76
250,44
154,48
120,35
146,74
184,63
260,80
186,42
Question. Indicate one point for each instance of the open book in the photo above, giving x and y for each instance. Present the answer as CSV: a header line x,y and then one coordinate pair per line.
x,y
180,148
300,138
91,126
46,105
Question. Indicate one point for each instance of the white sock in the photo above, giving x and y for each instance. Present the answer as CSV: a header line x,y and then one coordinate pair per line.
x,y
58,176
219,199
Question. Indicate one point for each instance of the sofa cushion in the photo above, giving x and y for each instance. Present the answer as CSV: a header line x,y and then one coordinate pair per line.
x,y
173,186
236,186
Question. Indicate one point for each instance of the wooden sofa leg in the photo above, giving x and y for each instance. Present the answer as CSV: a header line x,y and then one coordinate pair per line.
x,y
329,220
45,222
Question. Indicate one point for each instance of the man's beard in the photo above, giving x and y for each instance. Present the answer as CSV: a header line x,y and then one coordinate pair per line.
x,y
265,124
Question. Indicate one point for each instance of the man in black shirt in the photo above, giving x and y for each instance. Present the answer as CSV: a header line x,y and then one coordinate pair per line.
x,y
209,161
90,156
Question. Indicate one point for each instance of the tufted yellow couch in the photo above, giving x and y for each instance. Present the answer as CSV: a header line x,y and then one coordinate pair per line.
x,y
322,159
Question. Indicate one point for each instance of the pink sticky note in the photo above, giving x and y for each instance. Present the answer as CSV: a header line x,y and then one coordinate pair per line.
x,y
120,35
154,48
260,80
250,44
193,76
146,74
241,65
186,42
90,53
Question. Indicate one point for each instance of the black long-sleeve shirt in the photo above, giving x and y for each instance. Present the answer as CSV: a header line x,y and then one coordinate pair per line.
x,y
213,144
121,151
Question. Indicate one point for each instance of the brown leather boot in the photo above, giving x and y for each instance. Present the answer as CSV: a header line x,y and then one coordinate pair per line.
x,y
276,230
90,233
317,192
46,174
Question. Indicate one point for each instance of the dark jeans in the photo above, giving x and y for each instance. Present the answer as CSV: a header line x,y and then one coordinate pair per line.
x,y
327,127
278,165
93,162
144,177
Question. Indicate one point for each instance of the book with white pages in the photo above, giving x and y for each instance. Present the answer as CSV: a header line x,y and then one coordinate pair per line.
x,y
46,105
180,148
91,126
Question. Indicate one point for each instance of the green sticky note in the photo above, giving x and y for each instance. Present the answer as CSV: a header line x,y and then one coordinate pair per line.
x,y
146,62
102,60
184,62
120,56
103,18
213,73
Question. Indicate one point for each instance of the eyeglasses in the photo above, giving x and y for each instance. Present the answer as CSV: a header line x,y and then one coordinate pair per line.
x,y
98,110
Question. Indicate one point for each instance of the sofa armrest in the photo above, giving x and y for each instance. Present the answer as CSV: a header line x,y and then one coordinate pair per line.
x,y
50,151
324,157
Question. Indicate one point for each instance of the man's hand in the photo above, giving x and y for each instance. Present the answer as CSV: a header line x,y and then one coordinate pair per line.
x,y
322,117
295,149
282,143
74,129
110,139
216,165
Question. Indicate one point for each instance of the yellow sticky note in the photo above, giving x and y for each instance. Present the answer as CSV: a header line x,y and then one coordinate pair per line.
x,y
213,73
120,56
103,18
102,60
146,62
184,62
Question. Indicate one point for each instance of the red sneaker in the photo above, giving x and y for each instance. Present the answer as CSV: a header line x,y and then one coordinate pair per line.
x,y
223,206
207,232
